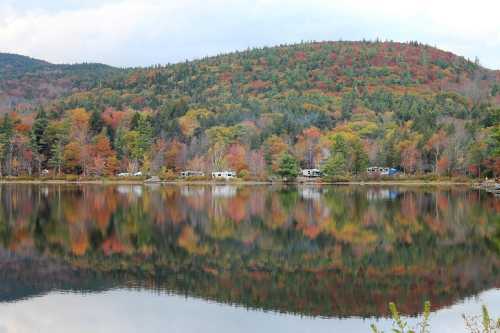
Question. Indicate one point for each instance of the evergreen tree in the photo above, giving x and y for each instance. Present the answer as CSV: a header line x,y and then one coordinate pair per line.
x,y
339,146
38,143
57,159
335,166
348,105
288,167
360,157
134,123
6,134
96,123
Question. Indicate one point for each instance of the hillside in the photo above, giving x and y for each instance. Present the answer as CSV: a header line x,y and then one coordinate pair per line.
x,y
26,82
14,65
339,106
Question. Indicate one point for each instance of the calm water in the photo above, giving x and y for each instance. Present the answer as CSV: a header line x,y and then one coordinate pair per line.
x,y
225,258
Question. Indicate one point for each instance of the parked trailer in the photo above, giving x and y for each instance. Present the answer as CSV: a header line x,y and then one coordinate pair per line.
x,y
224,175
382,171
311,173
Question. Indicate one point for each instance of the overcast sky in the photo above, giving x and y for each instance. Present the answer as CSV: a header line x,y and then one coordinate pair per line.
x,y
146,32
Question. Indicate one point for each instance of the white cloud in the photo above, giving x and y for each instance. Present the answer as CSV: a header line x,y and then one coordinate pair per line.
x,y
134,32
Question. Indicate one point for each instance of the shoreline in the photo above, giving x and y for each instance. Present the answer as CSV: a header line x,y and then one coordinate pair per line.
x,y
242,182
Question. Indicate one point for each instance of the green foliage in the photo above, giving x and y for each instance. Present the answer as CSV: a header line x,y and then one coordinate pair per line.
x,y
348,104
347,156
494,142
288,167
12,65
38,132
96,122
335,166
474,324
57,158
401,326
495,89
359,157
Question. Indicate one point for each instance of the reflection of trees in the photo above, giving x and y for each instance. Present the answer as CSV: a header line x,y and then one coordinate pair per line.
x,y
266,247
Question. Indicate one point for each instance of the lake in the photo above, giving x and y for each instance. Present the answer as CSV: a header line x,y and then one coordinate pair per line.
x,y
230,258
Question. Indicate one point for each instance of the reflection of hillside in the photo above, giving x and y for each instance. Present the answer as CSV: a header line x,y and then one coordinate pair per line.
x,y
324,293
25,276
271,248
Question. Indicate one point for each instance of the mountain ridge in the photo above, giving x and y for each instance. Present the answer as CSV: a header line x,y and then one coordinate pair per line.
x,y
26,82
22,68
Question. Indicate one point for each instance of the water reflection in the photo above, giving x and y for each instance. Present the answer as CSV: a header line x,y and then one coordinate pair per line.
x,y
318,251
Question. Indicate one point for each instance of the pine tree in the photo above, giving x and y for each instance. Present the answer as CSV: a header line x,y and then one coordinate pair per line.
x,y
96,123
57,159
289,167
335,166
38,143
6,134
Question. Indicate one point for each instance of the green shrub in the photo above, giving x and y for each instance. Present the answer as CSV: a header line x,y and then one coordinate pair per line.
x,y
474,324
430,177
196,178
125,179
71,178
168,175
244,174
461,179
19,178
337,179
399,325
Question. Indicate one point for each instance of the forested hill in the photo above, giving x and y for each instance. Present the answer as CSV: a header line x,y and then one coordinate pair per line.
x,y
335,105
14,65
26,82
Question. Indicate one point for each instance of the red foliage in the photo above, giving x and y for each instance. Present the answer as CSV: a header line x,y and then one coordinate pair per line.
x,y
300,56
260,85
112,117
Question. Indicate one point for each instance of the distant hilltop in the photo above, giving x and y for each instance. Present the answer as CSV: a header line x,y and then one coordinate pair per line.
x,y
323,66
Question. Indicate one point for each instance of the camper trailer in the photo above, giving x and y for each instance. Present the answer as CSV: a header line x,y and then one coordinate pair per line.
x,y
311,173
381,171
190,173
226,175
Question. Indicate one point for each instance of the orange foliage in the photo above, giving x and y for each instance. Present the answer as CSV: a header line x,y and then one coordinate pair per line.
x,y
274,148
443,165
113,118
104,157
236,157
175,156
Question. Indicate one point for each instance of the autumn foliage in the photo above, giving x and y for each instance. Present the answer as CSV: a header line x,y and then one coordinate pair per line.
x,y
403,105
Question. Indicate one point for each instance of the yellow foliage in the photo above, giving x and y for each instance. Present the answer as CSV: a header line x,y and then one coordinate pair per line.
x,y
189,122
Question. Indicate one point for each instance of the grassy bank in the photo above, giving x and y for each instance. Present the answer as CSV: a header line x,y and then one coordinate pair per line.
x,y
402,180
